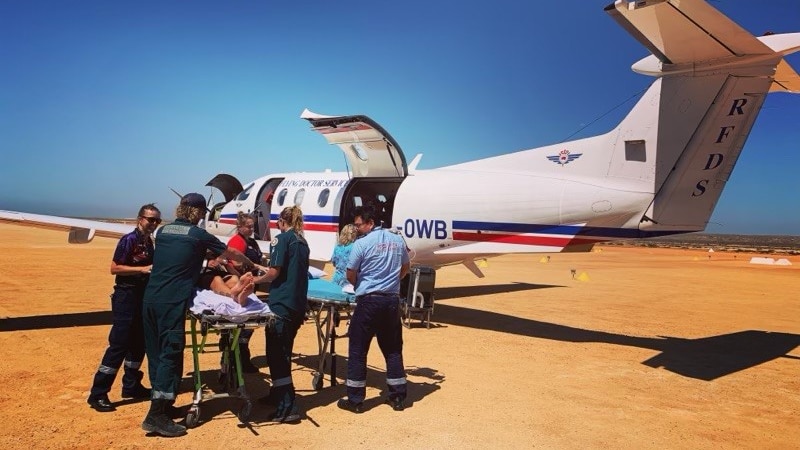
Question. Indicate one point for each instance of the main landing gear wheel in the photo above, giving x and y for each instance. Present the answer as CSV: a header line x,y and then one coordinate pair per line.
x,y
193,417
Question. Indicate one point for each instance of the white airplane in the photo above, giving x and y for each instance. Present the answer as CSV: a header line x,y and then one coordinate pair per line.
x,y
660,171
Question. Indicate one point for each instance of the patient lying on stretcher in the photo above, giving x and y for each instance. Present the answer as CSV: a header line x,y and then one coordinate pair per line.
x,y
215,278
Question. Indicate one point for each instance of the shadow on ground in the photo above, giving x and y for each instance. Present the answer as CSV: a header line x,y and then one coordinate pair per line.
x,y
83,319
703,358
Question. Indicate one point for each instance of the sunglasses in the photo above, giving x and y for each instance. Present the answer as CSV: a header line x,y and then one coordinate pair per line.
x,y
152,220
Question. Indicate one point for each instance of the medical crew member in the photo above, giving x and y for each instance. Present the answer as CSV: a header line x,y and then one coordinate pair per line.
x,y
288,274
131,264
181,248
378,261
244,242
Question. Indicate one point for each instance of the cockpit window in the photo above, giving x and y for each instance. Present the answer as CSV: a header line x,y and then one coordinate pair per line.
x,y
245,193
323,197
282,196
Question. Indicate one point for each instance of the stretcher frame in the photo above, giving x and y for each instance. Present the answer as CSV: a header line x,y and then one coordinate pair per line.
x,y
326,304
231,370
327,315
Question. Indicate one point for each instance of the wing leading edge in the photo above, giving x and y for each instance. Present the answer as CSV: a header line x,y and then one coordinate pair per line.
x,y
81,231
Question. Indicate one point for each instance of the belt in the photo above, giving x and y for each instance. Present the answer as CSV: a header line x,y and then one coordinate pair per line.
x,y
381,294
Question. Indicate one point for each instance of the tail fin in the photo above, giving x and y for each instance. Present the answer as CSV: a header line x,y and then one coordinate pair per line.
x,y
713,79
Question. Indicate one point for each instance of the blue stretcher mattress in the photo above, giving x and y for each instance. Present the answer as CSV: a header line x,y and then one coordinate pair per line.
x,y
327,291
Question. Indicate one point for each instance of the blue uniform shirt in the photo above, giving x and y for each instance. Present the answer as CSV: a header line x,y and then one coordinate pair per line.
x,y
134,249
378,257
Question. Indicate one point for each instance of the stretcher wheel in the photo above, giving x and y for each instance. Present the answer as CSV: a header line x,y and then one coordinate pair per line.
x,y
193,417
316,382
244,411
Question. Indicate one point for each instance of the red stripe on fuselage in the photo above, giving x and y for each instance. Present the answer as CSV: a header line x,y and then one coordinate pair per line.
x,y
547,241
332,228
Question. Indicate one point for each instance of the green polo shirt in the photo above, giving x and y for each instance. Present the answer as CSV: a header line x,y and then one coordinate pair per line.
x,y
288,293
179,255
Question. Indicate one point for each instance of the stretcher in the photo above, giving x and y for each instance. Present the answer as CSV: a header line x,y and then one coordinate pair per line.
x,y
217,313
327,302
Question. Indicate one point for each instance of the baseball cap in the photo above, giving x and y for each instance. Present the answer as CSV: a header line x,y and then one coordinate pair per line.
x,y
194,200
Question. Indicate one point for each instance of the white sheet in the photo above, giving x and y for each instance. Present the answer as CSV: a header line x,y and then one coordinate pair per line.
x,y
226,307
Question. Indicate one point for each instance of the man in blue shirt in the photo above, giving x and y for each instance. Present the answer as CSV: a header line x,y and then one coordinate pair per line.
x,y
378,261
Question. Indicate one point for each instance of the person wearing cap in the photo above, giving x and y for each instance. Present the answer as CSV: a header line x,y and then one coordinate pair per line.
x,y
131,264
180,250
288,299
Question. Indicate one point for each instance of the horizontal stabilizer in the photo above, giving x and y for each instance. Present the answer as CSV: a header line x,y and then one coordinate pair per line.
x,y
684,31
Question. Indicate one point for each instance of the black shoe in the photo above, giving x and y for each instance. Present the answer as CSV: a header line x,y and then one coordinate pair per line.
x,y
396,403
163,425
174,412
139,392
347,405
101,404
288,416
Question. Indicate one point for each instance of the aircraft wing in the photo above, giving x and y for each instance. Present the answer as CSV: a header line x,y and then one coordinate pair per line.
x,y
369,149
80,231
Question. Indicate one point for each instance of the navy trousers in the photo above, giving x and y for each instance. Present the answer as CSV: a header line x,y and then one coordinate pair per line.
x,y
125,343
165,340
280,342
376,315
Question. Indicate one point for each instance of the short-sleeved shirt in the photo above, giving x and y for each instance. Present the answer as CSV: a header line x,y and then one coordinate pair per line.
x,y
248,246
180,251
288,293
378,258
340,258
134,249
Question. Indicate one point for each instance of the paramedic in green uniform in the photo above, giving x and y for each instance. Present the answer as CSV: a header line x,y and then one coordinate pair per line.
x,y
181,248
288,274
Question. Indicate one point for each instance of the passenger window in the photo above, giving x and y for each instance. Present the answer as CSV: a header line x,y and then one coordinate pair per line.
x,y
298,197
359,151
323,197
282,196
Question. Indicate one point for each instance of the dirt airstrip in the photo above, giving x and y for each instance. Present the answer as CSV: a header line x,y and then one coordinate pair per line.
x,y
640,348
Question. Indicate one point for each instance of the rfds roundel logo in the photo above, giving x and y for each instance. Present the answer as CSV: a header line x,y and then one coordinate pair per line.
x,y
564,157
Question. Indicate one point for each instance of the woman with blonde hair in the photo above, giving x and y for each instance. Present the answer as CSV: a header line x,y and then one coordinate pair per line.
x,y
288,290
341,253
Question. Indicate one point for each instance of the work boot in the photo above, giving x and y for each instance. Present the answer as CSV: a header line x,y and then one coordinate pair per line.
x,y
157,421
174,412
287,407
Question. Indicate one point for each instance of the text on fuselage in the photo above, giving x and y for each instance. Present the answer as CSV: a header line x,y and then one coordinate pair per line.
x,y
715,159
425,228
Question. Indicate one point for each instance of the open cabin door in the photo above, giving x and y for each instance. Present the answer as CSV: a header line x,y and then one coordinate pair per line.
x,y
369,149
263,210
376,162
230,188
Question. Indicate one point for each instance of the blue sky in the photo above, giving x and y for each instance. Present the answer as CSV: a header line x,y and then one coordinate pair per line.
x,y
105,105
